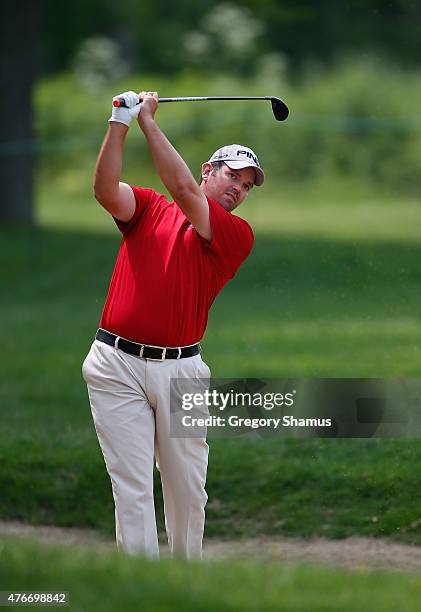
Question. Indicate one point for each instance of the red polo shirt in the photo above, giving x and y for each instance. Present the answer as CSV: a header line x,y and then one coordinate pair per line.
x,y
166,275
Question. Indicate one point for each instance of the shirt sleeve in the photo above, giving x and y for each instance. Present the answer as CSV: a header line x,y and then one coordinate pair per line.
x,y
143,198
232,239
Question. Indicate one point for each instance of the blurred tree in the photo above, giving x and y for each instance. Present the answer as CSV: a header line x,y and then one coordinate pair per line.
x,y
320,30
227,32
68,24
152,34
99,61
19,32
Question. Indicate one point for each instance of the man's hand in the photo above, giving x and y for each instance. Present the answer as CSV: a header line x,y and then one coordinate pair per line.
x,y
125,115
149,105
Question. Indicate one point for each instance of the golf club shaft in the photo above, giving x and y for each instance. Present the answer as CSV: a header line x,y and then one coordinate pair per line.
x,y
122,101
199,98
280,109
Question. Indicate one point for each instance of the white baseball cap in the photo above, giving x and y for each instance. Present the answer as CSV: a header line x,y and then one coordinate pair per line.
x,y
236,157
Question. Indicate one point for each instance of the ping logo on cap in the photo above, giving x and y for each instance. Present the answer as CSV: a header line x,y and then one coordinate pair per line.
x,y
250,155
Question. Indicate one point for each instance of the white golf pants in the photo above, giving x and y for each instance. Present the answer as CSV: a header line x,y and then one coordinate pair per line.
x,y
129,399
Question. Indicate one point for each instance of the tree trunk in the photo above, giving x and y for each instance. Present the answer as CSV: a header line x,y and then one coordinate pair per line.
x,y
19,38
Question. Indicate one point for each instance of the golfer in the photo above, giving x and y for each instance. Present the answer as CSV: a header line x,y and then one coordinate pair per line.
x,y
174,259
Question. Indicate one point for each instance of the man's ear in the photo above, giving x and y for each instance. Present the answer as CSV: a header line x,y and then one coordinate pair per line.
x,y
206,170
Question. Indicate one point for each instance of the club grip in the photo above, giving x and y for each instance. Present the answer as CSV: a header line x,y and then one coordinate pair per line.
x,y
119,102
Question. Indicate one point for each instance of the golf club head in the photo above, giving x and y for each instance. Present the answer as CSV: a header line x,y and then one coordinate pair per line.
x,y
280,109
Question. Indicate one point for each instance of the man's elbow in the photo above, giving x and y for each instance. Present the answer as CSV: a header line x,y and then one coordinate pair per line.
x,y
99,197
102,188
97,193
103,196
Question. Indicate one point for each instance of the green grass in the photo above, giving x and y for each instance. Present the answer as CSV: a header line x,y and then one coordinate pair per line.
x,y
200,587
331,289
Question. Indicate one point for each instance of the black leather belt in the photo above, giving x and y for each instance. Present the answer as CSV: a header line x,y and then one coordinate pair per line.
x,y
146,351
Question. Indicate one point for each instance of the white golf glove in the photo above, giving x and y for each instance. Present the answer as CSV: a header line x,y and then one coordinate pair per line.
x,y
122,114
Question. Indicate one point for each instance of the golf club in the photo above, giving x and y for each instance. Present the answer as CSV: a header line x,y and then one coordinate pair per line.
x,y
279,108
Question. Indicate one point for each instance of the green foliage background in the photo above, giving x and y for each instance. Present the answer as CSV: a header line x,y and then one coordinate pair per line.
x,y
358,120
151,34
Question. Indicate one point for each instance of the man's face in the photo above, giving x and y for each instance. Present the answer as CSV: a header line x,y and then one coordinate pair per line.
x,y
227,186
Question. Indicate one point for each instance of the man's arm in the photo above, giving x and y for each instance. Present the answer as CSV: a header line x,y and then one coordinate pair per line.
x,y
114,196
173,170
